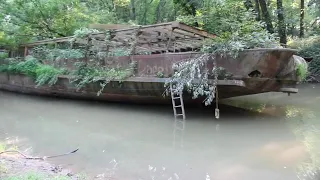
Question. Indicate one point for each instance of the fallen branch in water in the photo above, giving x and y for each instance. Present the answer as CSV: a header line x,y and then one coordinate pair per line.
x,y
37,158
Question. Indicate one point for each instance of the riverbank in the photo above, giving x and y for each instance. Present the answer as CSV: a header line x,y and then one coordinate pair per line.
x,y
14,166
19,168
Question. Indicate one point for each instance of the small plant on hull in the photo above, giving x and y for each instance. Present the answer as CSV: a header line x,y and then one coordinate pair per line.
x,y
302,71
47,74
86,74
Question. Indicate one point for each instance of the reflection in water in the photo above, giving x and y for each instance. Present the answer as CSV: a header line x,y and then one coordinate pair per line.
x,y
144,142
178,132
305,125
301,116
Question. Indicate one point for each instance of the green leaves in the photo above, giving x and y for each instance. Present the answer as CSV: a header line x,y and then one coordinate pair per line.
x,y
27,67
37,19
302,71
86,74
46,74
43,74
84,32
233,44
309,47
237,29
54,55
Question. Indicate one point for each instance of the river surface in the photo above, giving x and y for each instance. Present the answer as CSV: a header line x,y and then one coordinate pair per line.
x,y
277,139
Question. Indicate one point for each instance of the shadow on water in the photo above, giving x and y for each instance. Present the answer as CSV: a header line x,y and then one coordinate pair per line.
x,y
301,114
251,140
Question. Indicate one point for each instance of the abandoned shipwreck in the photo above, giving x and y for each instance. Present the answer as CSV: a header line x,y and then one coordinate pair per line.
x,y
154,49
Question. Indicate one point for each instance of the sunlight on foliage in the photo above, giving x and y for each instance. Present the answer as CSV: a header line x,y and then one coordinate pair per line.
x,y
122,2
3,147
84,32
302,71
305,125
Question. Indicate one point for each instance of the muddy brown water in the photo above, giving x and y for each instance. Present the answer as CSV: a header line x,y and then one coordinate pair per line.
x,y
137,142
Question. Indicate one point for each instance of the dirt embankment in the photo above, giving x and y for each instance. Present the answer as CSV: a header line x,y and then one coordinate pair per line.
x,y
17,166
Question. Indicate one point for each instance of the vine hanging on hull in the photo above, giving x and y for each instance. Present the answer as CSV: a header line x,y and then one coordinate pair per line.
x,y
193,74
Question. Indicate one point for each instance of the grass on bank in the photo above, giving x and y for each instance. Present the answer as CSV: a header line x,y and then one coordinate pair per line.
x,y
42,176
36,176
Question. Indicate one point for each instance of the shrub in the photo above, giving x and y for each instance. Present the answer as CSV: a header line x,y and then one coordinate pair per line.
x,y
309,47
43,74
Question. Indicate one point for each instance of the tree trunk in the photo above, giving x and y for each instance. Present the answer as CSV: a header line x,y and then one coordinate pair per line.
x,y
160,8
281,24
158,14
133,10
292,30
194,13
266,15
257,10
301,18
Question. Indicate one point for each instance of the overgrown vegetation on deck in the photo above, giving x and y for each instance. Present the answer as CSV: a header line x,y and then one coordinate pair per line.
x,y
42,64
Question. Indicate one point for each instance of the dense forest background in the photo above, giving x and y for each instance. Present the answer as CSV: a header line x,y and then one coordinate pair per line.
x,y
23,20
293,23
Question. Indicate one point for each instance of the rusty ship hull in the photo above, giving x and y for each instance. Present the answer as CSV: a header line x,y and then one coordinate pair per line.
x,y
147,87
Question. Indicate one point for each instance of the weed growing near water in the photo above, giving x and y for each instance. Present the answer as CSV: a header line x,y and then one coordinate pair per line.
x,y
43,74
302,71
309,47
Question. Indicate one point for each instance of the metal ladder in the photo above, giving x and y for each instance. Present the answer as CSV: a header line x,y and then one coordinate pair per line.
x,y
179,115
